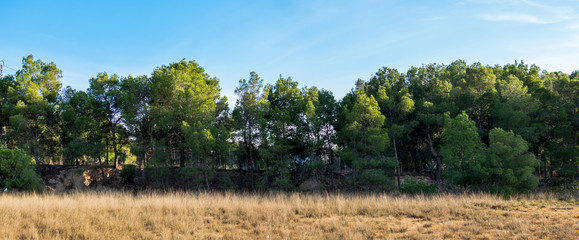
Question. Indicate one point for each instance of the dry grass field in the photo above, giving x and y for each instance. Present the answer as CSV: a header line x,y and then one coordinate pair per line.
x,y
284,216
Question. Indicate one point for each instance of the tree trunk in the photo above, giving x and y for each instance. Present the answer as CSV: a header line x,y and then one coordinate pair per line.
x,y
152,144
206,179
251,164
102,171
397,161
545,168
333,186
2,133
36,160
575,137
252,174
437,157
114,138
395,150
61,161
107,151
414,168
182,158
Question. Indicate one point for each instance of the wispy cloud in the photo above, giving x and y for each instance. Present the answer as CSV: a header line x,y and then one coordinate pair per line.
x,y
514,17
560,12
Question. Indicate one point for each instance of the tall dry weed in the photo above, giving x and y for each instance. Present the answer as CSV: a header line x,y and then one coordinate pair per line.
x,y
283,216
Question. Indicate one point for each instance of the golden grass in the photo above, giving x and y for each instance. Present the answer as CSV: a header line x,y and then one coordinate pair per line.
x,y
284,216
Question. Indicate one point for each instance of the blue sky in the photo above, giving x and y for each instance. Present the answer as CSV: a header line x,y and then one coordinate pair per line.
x,y
328,44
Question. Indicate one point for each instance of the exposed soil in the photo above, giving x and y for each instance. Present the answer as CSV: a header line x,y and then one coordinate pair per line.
x,y
60,178
63,178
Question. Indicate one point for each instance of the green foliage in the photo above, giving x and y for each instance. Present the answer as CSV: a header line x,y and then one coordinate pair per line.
x,y
504,166
417,186
223,181
461,150
81,133
128,172
190,177
509,164
283,122
34,118
365,142
158,176
314,167
277,172
8,100
373,177
562,185
79,171
106,92
17,170
200,140
363,134
181,93
248,119
393,120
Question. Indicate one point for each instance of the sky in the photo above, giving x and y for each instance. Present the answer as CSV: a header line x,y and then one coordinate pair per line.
x,y
327,44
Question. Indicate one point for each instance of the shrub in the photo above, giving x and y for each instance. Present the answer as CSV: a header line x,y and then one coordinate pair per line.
x,y
17,170
128,172
79,171
314,167
189,177
417,186
505,166
373,177
158,176
223,181
562,184
509,164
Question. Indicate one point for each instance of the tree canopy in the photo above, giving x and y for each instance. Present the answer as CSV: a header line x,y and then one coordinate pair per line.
x,y
498,128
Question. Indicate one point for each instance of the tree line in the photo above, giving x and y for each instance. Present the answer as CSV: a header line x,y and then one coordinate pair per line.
x,y
485,127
